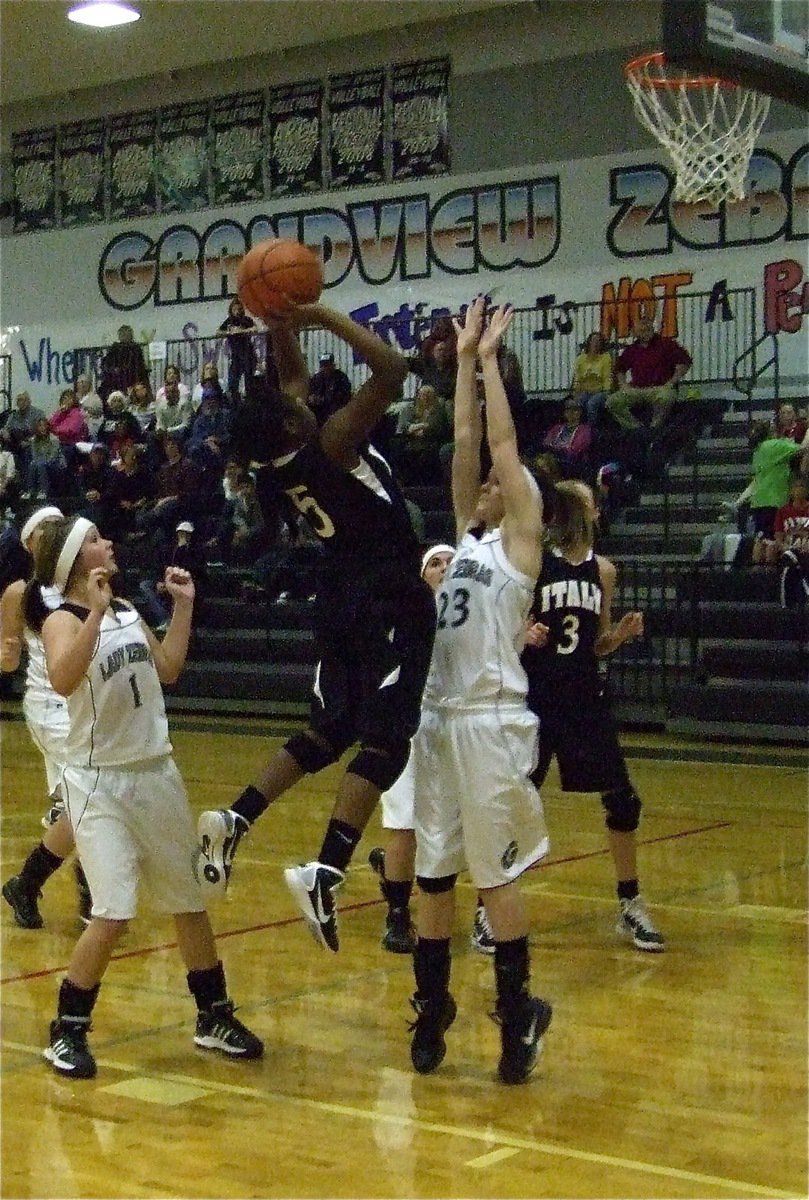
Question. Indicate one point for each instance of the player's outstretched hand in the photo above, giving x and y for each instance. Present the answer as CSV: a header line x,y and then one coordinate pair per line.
x,y
468,329
495,331
630,626
179,585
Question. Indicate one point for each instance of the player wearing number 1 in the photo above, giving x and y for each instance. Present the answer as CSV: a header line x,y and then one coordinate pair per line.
x,y
374,614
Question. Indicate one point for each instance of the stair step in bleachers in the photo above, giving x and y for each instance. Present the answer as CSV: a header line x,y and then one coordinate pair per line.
x,y
246,681
750,702
755,658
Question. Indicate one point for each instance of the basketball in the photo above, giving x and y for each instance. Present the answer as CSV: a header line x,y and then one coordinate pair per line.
x,y
277,274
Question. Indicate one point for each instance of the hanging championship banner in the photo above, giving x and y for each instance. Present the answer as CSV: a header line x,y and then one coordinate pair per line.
x,y
419,99
81,172
33,155
182,157
295,115
131,155
356,141
237,150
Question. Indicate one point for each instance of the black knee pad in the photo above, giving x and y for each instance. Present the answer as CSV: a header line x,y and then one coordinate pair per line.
x,y
311,755
434,887
623,809
380,765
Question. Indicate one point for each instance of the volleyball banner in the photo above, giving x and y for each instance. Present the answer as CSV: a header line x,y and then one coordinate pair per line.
x,y
182,157
237,148
33,156
81,172
356,128
420,121
131,164
295,138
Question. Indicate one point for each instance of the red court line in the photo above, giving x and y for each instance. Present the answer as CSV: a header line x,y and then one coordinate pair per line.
x,y
356,907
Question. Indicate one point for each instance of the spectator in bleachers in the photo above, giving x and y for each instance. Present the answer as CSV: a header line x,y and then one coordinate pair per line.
x,y
9,486
175,496
773,460
69,425
436,361
416,452
86,394
133,486
788,424
93,410
210,433
792,544
174,411
118,425
655,365
240,531
96,480
238,328
141,404
46,464
173,374
570,441
208,379
19,428
123,364
592,377
329,389
181,551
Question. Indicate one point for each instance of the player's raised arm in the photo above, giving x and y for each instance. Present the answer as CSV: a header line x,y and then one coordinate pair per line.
x,y
468,422
522,523
293,373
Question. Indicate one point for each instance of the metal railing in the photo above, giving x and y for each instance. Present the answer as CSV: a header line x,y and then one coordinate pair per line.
x,y
546,339
5,382
746,383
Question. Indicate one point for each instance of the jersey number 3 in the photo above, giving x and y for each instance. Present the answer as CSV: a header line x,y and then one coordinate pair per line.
x,y
570,635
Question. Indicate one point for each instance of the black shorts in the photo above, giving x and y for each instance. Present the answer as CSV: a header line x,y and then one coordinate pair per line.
x,y
375,646
584,739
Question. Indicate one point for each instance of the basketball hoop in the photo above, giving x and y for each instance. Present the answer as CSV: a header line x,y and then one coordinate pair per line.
x,y
708,126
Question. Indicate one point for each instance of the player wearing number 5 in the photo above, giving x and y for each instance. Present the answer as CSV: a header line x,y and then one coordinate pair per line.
x,y
123,794
374,614
573,611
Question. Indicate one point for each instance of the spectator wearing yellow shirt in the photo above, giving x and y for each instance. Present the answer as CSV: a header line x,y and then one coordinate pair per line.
x,y
592,377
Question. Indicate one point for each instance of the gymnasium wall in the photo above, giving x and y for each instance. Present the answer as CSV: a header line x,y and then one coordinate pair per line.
x,y
556,191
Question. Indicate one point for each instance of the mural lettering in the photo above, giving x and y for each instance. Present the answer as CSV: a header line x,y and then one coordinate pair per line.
x,y
786,296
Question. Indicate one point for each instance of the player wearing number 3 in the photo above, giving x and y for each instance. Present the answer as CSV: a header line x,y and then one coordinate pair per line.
x,y
123,794
374,614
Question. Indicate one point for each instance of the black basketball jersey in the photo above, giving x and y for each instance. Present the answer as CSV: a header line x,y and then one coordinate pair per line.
x,y
359,516
568,600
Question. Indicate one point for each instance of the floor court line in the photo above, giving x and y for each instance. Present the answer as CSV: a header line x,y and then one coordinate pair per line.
x,y
488,1136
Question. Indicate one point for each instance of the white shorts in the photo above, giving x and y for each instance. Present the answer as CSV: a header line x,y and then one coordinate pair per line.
x,y
475,806
397,802
134,823
48,724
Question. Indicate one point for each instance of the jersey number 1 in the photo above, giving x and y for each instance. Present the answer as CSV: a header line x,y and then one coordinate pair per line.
x,y
133,683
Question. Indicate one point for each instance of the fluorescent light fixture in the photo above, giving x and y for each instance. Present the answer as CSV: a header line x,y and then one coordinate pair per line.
x,y
103,14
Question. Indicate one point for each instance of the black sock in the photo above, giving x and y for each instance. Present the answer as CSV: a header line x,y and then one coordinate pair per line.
x,y
250,805
628,889
431,964
81,878
511,972
38,867
339,844
75,1001
208,987
397,892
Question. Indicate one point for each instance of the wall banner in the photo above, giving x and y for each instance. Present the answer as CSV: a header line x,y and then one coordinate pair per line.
x,y
237,130
182,157
81,172
131,165
33,155
356,128
295,138
419,100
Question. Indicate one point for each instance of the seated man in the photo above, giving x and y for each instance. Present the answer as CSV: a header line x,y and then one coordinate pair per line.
x,y
656,365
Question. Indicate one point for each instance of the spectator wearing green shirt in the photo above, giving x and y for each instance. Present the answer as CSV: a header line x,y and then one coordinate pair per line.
x,y
773,459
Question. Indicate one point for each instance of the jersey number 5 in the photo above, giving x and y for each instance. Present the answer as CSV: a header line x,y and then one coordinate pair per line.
x,y
311,511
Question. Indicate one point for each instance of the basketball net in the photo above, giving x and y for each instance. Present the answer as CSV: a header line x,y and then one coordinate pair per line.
x,y
709,126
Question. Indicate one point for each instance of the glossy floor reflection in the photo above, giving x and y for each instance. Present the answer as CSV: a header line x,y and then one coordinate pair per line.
x,y
679,1075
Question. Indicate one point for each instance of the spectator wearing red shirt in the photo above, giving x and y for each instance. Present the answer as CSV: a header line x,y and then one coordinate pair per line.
x,y
656,365
788,424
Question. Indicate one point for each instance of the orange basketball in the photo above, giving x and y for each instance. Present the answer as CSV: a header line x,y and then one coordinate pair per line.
x,y
276,274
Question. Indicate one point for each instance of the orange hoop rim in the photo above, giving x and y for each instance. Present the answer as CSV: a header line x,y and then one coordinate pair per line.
x,y
634,68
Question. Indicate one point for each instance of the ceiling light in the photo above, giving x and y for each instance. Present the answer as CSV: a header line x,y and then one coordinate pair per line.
x,y
103,14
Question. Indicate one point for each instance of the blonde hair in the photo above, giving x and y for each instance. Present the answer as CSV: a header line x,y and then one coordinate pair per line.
x,y
574,521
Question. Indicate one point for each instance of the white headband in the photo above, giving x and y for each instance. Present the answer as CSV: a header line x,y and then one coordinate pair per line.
x,y
70,551
441,548
35,520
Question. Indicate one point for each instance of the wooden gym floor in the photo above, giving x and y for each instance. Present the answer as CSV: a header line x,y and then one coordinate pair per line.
x,y
678,1075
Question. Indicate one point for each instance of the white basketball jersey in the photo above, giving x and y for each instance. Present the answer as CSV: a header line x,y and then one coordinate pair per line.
x,y
483,606
37,683
117,713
